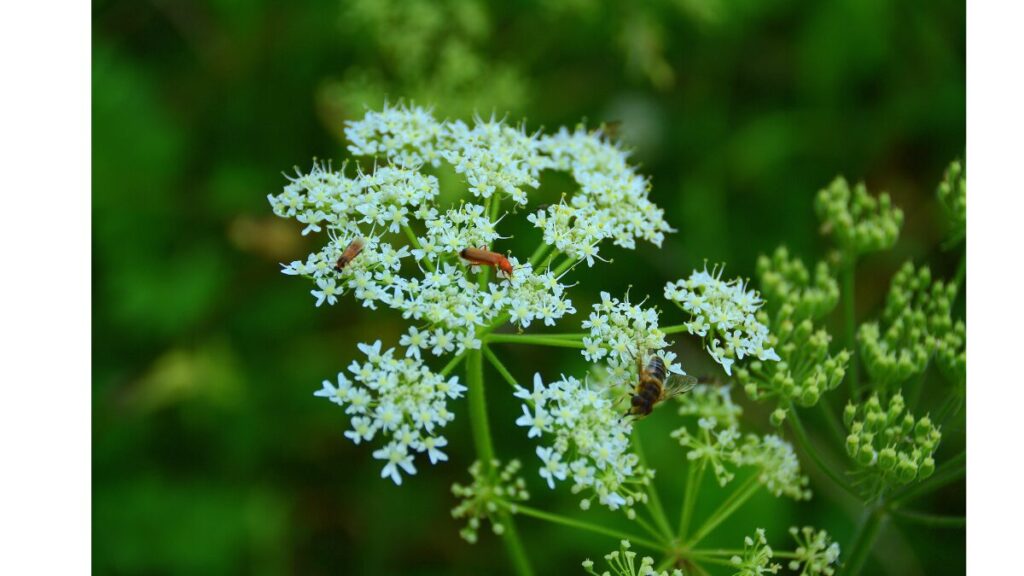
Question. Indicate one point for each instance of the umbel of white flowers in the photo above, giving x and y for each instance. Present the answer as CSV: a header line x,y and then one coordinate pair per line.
x,y
412,240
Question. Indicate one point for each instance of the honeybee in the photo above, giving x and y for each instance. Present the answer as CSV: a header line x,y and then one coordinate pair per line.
x,y
654,385
484,257
351,251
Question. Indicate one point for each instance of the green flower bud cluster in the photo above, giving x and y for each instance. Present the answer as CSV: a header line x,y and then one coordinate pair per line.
x,y
951,353
806,370
952,193
785,280
623,563
483,499
889,445
716,442
916,316
860,222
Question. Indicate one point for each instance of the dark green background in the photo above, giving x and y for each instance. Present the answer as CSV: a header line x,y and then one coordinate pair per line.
x,y
210,454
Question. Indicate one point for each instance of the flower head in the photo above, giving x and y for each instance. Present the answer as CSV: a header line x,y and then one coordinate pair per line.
x,y
859,222
493,487
889,446
723,314
621,333
399,399
716,441
916,315
589,440
785,280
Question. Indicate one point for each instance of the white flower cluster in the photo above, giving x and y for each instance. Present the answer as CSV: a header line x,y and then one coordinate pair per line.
x,y
400,399
612,201
410,261
723,314
591,441
717,442
620,333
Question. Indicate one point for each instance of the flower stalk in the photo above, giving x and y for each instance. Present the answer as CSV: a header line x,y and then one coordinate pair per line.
x,y
485,452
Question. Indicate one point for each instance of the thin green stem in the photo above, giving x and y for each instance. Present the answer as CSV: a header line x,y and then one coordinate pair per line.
x,y
675,329
805,443
452,364
735,552
694,479
485,451
712,560
647,527
534,339
914,389
520,559
478,407
654,502
581,525
497,364
863,541
731,504
849,322
951,406
539,253
569,263
416,244
930,520
838,433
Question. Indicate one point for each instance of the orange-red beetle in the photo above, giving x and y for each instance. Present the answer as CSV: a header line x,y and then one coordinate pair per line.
x,y
483,257
351,251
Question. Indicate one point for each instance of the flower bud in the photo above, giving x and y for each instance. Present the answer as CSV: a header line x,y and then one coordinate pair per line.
x,y
887,459
778,417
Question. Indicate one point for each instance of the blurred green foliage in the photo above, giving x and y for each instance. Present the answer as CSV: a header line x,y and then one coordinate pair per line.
x,y
210,455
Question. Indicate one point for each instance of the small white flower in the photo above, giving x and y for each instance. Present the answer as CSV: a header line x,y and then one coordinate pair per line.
x,y
397,458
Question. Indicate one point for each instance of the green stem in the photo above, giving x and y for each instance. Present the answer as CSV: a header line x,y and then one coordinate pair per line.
x,y
534,339
735,552
485,451
416,244
731,504
654,502
951,406
497,364
712,560
539,253
675,329
520,559
569,262
849,322
931,520
452,364
838,433
863,541
579,524
694,479
805,443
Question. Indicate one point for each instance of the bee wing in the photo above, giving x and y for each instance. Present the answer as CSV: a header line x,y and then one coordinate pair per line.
x,y
679,384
